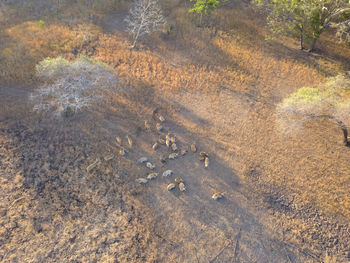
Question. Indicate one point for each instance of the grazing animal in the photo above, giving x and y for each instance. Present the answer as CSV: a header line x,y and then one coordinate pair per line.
x,y
202,156
167,173
159,127
147,125
129,140
155,146
167,140
122,151
142,180
206,162
182,187
143,160
178,180
173,156
218,195
152,176
174,147
184,151
161,141
118,140
171,186
150,165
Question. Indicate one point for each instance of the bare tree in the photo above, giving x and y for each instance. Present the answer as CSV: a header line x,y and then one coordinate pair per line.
x,y
145,17
68,87
329,101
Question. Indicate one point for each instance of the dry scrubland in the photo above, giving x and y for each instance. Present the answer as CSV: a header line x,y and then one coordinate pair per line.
x,y
287,196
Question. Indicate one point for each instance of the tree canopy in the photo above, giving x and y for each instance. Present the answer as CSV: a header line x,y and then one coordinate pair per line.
x,y
204,6
305,19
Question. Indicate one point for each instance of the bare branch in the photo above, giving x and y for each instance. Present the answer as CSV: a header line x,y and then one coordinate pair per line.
x,y
145,17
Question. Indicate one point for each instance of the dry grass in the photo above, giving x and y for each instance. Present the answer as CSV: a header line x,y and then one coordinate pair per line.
x,y
243,62
230,79
26,44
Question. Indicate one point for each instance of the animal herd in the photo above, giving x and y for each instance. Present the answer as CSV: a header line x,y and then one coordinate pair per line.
x,y
169,141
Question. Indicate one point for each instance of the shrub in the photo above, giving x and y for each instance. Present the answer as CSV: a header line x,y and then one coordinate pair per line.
x,y
42,23
68,87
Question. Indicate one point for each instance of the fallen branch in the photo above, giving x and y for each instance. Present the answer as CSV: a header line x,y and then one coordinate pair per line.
x,y
229,242
164,239
92,166
235,253
16,201
285,251
305,252
195,249
220,252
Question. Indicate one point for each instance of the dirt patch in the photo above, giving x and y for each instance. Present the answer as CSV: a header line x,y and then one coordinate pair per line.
x,y
53,207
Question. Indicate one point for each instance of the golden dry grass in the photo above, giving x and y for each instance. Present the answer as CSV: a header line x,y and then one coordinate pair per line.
x,y
27,43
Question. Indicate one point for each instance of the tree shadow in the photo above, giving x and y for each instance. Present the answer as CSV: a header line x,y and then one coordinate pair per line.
x,y
51,159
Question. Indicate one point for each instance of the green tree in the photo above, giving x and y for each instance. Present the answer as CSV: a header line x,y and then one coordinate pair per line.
x,y
328,101
305,19
204,6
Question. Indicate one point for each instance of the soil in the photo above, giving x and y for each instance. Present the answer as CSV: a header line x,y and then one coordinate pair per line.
x,y
53,210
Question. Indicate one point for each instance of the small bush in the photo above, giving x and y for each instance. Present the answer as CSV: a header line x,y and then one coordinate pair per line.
x,y
42,23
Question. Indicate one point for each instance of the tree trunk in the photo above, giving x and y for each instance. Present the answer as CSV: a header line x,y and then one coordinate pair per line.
x,y
302,38
301,41
134,43
313,46
345,132
340,124
136,37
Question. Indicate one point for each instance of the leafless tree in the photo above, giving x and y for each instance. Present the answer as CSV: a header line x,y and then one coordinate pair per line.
x,y
145,17
68,87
